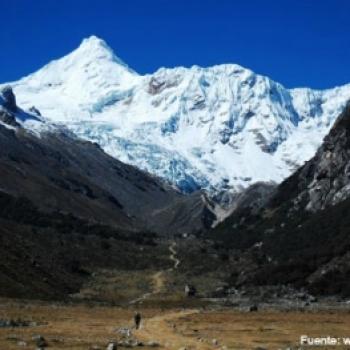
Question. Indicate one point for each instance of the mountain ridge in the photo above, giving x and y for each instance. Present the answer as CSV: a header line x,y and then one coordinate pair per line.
x,y
219,128
300,234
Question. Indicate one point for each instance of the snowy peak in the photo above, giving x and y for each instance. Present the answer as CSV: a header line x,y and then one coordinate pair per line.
x,y
81,82
226,103
94,48
93,58
217,128
93,44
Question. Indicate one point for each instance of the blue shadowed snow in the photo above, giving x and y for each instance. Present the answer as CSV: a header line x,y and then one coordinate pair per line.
x,y
109,100
156,160
171,125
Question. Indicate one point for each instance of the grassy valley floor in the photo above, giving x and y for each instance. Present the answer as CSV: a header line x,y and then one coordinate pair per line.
x,y
102,312
83,326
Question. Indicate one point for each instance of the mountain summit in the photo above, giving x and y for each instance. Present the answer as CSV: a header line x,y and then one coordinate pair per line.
x,y
96,49
78,82
218,128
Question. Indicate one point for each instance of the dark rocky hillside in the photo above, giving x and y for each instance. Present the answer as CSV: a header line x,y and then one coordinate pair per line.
x,y
302,234
50,255
58,172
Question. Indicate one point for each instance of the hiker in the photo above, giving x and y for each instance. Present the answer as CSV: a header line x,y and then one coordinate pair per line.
x,y
137,319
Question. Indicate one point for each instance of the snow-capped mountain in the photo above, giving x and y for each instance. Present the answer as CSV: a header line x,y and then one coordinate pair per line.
x,y
217,128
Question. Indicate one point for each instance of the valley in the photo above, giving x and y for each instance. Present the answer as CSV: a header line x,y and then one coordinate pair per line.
x,y
102,312
214,203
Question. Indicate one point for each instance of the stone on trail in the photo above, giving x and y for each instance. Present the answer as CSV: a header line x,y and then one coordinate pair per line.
x,y
253,308
40,341
152,344
190,290
112,346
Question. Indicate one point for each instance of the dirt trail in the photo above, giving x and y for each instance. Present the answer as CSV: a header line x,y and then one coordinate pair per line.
x,y
158,278
158,282
162,329
173,257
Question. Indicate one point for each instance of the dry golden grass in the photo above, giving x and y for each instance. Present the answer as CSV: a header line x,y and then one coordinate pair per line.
x,y
78,327
150,288
65,327
116,286
266,329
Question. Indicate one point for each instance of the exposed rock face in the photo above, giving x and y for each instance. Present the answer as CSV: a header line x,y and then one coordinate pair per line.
x,y
35,111
326,177
8,106
250,200
8,118
8,98
254,197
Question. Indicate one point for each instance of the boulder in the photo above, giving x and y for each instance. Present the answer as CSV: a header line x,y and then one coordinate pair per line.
x,y
253,308
190,290
40,341
112,346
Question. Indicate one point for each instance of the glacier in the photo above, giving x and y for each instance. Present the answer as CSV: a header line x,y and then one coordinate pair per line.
x,y
219,128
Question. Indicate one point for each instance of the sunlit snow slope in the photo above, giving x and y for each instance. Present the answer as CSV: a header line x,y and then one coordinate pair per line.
x,y
217,128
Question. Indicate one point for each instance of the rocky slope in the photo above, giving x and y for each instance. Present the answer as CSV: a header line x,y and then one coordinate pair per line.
x,y
218,128
330,168
60,173
301,235
49,255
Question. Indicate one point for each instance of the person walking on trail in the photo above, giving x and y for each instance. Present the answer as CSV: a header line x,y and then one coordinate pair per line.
x,y
137,319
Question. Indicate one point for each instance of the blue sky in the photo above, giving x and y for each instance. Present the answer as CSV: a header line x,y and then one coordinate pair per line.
x,y
296,42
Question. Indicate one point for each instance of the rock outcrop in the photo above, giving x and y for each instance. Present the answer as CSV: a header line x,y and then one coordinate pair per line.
x,y
8,118
330,181
8,99
8,107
